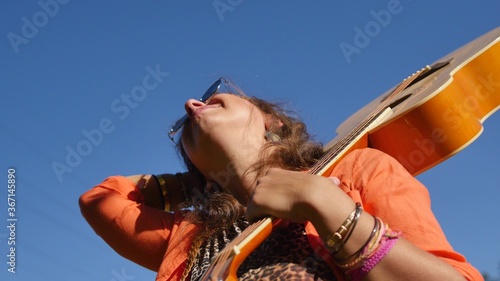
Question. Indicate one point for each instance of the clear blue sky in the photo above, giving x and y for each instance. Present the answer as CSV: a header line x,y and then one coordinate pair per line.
x,y
68,67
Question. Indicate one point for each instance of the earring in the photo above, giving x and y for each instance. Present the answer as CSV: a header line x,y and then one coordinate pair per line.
x,y
211,188
270,136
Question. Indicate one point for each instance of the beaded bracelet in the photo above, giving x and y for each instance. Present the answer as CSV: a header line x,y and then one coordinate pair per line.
x,y
378,247
338,239
384,248
162,185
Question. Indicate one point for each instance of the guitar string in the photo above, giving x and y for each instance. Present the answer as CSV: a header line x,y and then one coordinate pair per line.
x,y
332,153
342,144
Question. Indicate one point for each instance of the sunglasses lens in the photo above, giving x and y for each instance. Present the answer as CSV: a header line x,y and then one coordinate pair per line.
x,y
178,125
212,90
216,87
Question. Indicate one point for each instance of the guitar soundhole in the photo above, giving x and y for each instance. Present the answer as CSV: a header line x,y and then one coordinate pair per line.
x,y
435,67
400,100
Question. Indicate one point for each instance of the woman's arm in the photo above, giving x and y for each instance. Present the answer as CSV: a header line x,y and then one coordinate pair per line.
x,y
387,191
171,187
117,211
404,261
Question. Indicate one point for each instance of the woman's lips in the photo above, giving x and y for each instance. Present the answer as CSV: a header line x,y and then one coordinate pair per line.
x,y
197,112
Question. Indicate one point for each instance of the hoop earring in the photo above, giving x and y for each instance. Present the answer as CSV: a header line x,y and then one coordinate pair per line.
x,y
270,136
211,188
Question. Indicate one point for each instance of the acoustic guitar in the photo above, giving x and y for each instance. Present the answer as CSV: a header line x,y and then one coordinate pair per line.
x,y
427,118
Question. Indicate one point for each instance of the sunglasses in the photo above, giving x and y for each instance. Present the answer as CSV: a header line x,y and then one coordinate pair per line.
x,y
222,85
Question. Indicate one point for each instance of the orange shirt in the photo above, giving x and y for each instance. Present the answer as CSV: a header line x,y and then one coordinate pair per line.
x,y
160,241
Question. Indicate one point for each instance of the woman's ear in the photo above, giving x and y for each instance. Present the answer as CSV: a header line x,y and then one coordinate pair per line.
x,y
272,123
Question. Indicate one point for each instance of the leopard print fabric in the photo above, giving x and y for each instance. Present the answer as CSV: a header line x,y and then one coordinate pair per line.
x,y
213,246
285,255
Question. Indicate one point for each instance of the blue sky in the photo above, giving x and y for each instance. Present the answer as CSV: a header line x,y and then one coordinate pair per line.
x,y
69,119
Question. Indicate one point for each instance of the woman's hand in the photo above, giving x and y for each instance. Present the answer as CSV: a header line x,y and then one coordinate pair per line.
x,y
174,184
294,196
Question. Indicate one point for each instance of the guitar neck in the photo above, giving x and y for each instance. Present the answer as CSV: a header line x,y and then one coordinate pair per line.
x,y
420,93
227,262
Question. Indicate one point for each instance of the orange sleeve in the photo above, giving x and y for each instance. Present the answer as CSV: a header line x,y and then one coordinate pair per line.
x,y
388,191
115,210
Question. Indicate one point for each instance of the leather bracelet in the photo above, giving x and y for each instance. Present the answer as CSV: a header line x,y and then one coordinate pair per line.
x,y
162,185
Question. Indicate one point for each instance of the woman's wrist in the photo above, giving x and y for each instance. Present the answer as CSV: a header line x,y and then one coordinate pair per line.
x,y
149,189
332,210
361,234
174,189
330,206
162,188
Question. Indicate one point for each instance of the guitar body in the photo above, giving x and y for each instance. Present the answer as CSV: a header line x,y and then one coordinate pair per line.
x,y
421,122
441,114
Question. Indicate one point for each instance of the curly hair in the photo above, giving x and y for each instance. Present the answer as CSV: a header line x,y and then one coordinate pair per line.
x,y
294,151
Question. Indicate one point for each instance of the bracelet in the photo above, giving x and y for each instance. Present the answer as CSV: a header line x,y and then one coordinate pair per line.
x,y
372,252
338,239
357,257
183,187
378,238
385,247
162,185
359,209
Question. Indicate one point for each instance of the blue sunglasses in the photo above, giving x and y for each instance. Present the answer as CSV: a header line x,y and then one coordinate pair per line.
x,y
222,85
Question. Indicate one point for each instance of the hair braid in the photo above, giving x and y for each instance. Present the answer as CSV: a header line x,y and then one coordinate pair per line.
x,y
194,251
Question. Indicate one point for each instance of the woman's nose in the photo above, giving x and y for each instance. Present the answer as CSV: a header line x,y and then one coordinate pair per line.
x,y
192,105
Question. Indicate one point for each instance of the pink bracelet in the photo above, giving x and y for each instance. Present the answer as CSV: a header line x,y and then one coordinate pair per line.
x,y
370,263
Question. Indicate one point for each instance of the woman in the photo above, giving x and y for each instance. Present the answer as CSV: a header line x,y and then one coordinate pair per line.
x,y
246,159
